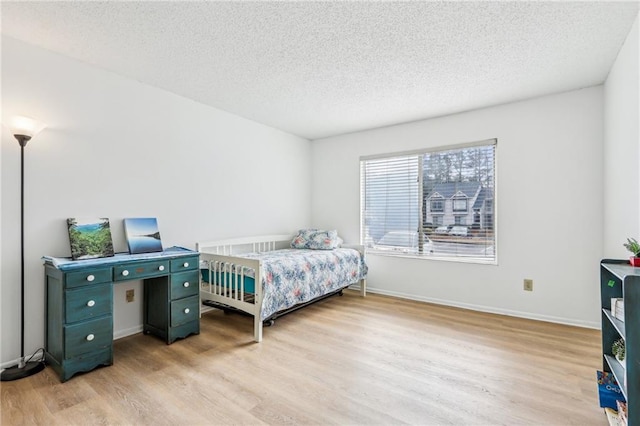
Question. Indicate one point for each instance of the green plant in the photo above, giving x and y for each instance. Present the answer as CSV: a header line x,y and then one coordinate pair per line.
x,y
633,246
618,349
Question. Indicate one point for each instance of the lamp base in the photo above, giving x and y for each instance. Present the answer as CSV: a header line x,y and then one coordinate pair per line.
x,y
16,373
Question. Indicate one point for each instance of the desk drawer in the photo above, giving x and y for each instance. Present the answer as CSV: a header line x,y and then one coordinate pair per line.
x,y
185,310
88,302
86,277
141,270
184,264
184,284
88,336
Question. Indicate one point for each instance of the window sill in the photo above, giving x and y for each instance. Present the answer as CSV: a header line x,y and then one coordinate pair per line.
x,y
461,259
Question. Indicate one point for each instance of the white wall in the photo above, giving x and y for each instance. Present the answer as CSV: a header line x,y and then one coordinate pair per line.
x,y
622,149
549,207
116,148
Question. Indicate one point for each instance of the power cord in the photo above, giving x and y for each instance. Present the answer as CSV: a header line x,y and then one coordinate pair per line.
x,y
34,354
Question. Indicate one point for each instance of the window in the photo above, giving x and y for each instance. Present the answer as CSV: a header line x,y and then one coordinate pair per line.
x,y
441,188
460,205
437,204
488,213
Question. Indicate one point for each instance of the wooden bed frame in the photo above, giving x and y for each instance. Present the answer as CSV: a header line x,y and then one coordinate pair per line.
x,y
228,290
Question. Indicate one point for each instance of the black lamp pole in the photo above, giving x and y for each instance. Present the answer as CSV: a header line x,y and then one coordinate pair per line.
x,y
23,369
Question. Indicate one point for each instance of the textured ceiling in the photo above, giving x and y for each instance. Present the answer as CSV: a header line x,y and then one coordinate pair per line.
x,y
318,69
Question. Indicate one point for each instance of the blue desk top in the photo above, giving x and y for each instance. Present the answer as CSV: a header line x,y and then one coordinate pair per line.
x,y
67,264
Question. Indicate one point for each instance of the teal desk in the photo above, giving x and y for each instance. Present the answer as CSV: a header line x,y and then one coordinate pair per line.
x,y
79,304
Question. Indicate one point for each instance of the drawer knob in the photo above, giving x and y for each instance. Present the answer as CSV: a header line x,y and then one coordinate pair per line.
x,y
185,264
91,303
186,284
91,278
125,273
90,337
161,268
186,310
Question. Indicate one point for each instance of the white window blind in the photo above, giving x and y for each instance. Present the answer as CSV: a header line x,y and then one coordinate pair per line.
x,y
432,203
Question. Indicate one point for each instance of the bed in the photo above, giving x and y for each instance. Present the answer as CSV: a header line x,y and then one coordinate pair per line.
x,y
290,275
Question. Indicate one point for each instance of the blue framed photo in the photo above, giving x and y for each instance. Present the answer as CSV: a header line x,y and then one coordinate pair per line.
x,y
90,238
142,235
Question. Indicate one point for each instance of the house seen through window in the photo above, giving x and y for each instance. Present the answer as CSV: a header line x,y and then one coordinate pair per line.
x,y
437,204
431,203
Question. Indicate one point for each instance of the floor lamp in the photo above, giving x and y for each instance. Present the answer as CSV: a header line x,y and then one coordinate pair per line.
x,y
23,129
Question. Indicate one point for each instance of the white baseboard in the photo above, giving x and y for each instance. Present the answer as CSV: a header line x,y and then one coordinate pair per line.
x,y
127,332
116,335
11,363
206,308
16,361
488,309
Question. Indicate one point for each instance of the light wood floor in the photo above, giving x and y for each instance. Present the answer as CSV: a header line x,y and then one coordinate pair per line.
x,y
347,360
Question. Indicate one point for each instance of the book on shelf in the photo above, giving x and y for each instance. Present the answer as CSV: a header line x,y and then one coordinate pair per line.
x,y
614,417
622,411
608,390
619,313
617,308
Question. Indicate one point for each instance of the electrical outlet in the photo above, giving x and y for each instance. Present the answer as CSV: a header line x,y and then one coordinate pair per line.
x,y
528,284
130,295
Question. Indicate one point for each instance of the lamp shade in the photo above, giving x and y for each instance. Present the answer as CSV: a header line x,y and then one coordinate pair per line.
x,y
25,126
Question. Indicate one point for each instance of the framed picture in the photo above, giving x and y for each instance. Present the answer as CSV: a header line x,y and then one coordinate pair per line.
x,y
142,235
90,238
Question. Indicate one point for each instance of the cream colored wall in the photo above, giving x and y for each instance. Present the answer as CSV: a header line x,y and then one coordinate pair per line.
x,y
549,207
622,149
116,148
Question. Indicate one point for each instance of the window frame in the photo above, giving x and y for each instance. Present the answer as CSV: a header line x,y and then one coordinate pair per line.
x,y
464,198
493,198
438,199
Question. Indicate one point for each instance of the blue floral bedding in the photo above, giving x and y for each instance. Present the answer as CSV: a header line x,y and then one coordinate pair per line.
x,y
294,276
